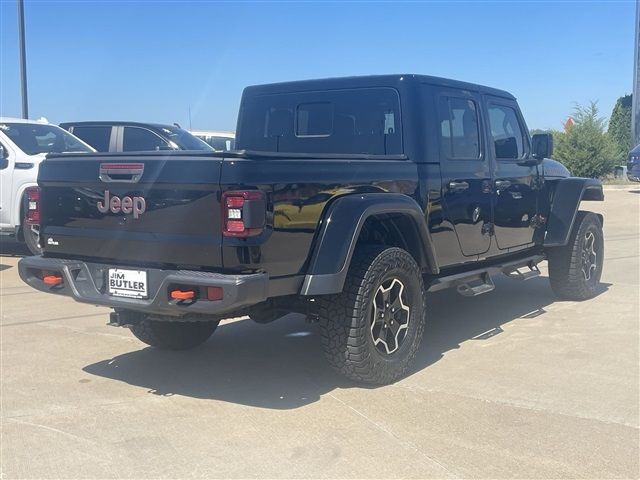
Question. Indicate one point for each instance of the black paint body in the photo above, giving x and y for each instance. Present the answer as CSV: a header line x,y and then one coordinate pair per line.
x,y
451,229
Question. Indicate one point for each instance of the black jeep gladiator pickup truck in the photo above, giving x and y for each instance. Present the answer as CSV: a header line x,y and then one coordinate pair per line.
x,y
347,200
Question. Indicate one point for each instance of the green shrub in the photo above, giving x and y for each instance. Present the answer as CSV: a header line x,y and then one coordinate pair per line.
x,y
585,148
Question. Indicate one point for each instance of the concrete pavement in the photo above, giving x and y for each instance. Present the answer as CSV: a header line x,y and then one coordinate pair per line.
x,y
512,384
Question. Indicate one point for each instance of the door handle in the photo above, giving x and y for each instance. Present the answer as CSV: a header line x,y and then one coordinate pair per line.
x,y
458,186
502,184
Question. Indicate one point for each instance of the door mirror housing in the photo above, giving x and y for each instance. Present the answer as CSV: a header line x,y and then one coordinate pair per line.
x,y
542,146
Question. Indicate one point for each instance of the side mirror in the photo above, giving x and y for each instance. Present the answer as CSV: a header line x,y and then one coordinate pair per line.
x,y
4,158
542,146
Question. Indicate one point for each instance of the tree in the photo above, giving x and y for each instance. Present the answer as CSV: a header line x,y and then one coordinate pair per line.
x,y
585,148
620,127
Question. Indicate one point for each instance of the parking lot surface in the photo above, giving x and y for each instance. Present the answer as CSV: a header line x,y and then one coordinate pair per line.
x,y
510,384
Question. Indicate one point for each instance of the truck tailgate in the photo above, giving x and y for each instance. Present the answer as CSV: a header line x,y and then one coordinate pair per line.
x,y
157,208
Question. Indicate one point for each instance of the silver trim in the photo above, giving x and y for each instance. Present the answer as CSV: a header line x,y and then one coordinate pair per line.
x,y
377,315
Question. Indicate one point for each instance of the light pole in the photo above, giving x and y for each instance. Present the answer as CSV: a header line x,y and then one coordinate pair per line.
x,y
635,114
23,60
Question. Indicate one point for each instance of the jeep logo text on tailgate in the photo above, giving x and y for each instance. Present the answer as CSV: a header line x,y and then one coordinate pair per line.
x,y
137,205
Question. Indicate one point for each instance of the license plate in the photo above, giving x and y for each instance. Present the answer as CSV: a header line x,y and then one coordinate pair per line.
x,y
127,283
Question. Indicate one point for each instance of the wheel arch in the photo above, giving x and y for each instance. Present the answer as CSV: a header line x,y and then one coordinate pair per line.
x,y
567,195
350,220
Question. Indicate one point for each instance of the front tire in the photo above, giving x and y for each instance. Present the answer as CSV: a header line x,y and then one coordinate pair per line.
x,y
575,269
173,335
371,331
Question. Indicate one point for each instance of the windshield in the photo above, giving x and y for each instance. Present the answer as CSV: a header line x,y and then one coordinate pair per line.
x,y
34,138
184,140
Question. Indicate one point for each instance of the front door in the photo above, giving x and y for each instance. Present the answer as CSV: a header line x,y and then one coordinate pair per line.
x,y
515,184
466,172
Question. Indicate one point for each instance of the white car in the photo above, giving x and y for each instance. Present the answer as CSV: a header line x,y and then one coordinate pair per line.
x,y
220,141
23,145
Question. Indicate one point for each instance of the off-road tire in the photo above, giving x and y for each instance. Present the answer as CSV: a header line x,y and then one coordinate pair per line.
x,y
566,275
173,335
345,318
31,240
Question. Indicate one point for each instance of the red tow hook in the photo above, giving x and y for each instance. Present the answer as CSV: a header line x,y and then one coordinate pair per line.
x,y
52,280
182,295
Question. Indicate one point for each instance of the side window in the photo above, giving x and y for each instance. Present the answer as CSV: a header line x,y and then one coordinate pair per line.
x,y
506,132
138,139
459,133
96,136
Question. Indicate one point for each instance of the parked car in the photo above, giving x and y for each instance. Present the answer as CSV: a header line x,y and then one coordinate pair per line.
x,y
219,141
23,145
347,200
633,164
134,136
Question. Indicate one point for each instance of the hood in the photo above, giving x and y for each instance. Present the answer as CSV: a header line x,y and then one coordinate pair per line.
x,y
554,169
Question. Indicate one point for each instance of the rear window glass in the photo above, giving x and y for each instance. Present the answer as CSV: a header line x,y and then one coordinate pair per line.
x,y
314,120
97,136
358,121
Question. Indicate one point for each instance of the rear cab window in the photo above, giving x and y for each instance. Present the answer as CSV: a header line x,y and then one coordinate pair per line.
x,y
351,121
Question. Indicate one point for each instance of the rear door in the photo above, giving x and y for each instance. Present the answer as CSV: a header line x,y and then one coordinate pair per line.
x,y
514,186
466,172
150,209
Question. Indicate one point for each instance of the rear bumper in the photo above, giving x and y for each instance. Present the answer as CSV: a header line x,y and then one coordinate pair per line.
x,y
86,282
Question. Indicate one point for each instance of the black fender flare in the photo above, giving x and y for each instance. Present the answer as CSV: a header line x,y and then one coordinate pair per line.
x,y
339,231
569,192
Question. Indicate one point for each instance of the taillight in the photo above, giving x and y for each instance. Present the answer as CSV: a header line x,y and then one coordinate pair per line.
x,y
32,210
243,213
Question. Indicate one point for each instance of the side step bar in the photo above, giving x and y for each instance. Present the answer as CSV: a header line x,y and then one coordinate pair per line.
x,y
477,282
476,286
518,274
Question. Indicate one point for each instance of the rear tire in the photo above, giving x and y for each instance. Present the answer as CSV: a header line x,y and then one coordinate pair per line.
x,y
575,269
173,335
31,239
371,331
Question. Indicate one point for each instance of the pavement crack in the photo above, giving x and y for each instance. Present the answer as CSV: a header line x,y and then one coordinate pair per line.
x,y
51,429
384,429
516,405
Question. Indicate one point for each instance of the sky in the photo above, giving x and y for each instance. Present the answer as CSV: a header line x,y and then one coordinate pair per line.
x,y
154,61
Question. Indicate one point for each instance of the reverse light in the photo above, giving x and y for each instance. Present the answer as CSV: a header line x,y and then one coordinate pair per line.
x,y
32,210
214,293
243,213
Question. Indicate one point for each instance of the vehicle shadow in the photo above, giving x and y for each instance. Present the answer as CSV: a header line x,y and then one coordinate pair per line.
x,y
281,365
12,248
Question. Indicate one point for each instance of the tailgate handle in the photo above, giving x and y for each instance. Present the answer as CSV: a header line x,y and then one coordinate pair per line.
x,y
121,172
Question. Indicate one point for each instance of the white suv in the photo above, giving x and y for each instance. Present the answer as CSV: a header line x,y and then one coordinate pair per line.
x,y
23,145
